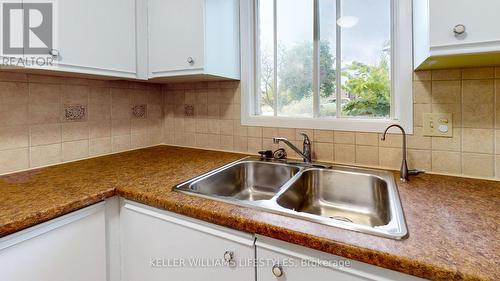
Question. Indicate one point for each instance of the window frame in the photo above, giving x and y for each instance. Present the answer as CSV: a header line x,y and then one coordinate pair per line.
x,y
401,78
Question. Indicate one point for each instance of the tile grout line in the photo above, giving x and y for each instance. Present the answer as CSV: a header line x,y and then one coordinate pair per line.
x,y
432,148
462,123
60,108
87,119
494,124
29,121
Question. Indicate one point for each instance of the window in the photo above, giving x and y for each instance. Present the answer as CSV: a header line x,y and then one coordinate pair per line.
x,y
327,64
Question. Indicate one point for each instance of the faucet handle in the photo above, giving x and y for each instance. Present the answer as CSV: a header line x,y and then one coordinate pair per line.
x,y
266,154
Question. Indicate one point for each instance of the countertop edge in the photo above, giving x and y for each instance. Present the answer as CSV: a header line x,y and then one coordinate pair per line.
x,y
54,212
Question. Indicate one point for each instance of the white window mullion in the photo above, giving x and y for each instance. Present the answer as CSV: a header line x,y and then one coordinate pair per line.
x,y
316,60
393,31
338,62
275,57
257,67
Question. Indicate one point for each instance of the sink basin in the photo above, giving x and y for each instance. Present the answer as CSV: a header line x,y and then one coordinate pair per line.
x,y
351,197
246,180
363,200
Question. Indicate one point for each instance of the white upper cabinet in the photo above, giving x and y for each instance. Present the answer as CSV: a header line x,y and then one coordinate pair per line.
x,y
456,33
176,36
141,39
96,37
480,19
194,38
11,39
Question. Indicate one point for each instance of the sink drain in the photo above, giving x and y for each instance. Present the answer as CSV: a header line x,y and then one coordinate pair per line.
x,y
341,218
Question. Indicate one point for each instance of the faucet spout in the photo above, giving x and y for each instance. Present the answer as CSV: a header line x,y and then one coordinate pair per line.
x,y
306,153
403,172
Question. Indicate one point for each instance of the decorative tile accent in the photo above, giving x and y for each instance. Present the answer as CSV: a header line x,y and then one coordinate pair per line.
x,y
140,111
188,110
75,113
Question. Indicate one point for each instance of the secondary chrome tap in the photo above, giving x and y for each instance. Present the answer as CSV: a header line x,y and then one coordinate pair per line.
x,y
306,153
403,172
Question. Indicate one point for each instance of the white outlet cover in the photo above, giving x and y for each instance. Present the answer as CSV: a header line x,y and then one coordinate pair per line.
x,y
438,125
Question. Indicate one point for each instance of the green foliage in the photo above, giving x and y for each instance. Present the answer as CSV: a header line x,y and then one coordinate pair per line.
x,y
369,87
295,72
295,68
327,70
266,80
297,108
328,110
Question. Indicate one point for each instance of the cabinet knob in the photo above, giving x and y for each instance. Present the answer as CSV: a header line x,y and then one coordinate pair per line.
x,y
277,270
228,256
459,29
54,53
190,60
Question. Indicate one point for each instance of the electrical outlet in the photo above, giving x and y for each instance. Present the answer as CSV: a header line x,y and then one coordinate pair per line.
x,y
188,110
438,125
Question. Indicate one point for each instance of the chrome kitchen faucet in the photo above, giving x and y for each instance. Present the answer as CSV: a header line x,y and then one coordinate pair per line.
x,y
306,153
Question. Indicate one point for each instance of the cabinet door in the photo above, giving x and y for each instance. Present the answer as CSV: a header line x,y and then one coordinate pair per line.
x,y
176,35
157,245
479,17
11,29
298,263
96,36
68,248
295,269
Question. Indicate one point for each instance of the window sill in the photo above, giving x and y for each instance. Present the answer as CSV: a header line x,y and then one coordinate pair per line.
x,y
343,124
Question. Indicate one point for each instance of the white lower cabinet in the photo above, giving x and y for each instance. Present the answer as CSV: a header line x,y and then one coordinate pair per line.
x,y
158,245
72,247
283,261
120,240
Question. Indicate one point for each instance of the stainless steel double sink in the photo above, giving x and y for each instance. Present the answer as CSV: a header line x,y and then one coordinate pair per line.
x,y
363,200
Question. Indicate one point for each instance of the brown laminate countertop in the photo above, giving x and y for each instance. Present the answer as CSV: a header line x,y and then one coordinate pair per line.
x,y
453,222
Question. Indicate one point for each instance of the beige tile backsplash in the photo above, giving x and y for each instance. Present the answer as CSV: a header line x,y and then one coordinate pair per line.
x,y
471,95
33,132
